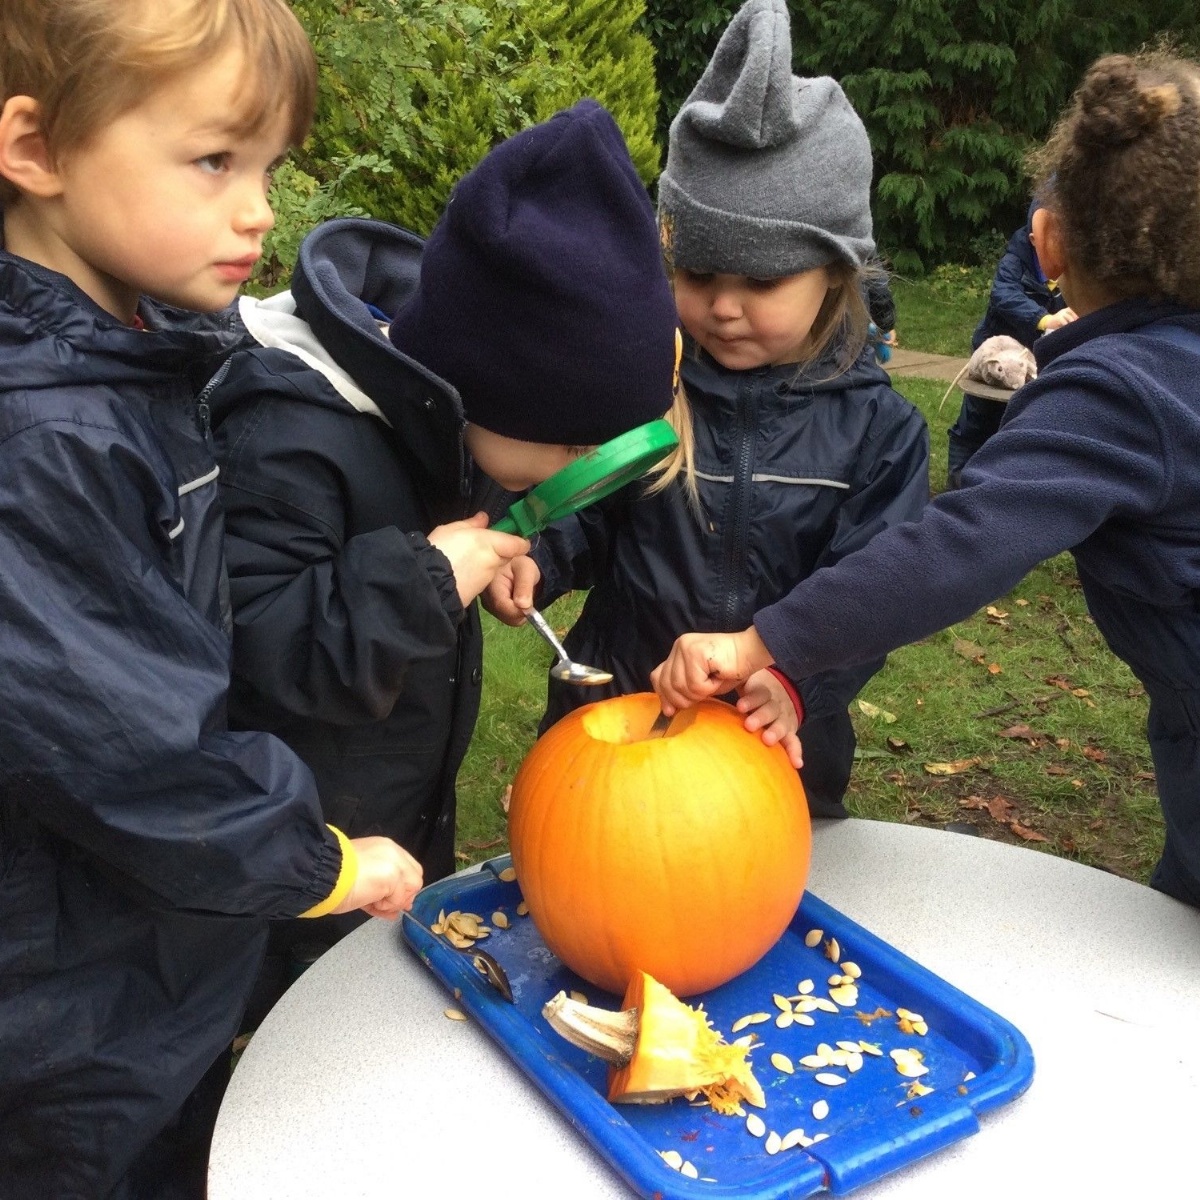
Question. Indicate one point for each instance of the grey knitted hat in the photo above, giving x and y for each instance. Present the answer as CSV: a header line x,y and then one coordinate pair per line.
x,y
767,174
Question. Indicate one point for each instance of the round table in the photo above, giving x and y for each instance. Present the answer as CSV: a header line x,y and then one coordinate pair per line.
x,y
357,1086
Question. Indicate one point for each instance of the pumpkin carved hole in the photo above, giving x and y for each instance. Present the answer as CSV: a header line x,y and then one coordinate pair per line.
x,y
616,726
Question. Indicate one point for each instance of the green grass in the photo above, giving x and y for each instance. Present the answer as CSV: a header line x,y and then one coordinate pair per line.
x,y
1078,775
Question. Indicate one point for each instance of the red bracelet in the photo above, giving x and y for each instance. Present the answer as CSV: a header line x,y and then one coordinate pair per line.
x,y
793,695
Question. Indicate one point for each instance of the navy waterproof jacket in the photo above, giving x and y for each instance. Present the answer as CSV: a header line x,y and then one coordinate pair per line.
x,y
338,455
1020,295
796,469
141,843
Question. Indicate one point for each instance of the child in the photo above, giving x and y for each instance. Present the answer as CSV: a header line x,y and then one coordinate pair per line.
x,y
1023,304
801,451
536,322
141,844
1099,455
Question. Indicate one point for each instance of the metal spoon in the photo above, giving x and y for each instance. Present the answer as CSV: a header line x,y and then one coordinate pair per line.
x,y
564,668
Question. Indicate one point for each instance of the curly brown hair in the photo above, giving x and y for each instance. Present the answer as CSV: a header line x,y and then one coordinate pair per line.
x,y
1121,170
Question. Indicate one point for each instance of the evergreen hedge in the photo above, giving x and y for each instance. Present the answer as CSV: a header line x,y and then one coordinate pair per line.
x,y
414,92
953,93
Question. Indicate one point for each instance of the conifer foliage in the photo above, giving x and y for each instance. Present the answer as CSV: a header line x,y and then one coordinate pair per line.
x,y
414,92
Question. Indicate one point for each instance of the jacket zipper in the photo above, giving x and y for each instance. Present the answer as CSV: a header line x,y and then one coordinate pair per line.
x,y
203,412
739,506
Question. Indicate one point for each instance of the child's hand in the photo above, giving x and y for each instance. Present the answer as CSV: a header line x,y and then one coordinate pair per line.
x,y
475,552
705,664
388,879
511,591
1057,320
768,707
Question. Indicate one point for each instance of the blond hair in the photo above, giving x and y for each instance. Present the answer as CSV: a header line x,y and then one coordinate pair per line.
x,y
86,62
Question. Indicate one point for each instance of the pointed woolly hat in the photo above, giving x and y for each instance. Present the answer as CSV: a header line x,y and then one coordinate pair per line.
x,y
767,174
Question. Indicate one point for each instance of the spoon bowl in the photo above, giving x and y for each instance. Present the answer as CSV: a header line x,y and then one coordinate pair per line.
x,y
565,669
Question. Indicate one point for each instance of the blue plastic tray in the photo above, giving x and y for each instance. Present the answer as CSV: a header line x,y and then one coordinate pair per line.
x,y
874,1126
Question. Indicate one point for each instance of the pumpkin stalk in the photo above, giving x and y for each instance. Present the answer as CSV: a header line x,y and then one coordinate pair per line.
x,y
611,1036
658,1048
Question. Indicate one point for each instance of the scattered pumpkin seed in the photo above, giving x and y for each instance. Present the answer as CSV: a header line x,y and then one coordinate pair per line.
x,y
672,1158
804,986
806,1004
833,951
852,969
523,909
749,1019
781,1002
774,1142
755,1126
784,1020
820,1110
454,1014
507,875
849,1047
803,1019
812,937
781,1062
688,1170
834,981
825,1005
820,1137
846,995
794,1137
871,1048
854,1063
499,920
814,1060
968,1075
828,1079
580,996
917,1090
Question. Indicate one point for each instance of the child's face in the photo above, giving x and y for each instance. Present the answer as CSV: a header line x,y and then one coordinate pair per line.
x,y
517,465
746,323
166,200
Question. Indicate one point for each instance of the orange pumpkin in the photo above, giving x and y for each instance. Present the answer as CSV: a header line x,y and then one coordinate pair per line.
x,y
683,856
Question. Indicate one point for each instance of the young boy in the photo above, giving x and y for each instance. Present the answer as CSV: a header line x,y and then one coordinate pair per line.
x,y
141,843
535,322
1022,304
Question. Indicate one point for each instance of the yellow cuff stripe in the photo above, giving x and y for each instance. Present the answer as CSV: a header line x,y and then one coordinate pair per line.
x,y
345,880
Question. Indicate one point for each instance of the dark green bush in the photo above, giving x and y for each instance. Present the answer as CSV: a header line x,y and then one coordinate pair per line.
x,y
953,93
414,92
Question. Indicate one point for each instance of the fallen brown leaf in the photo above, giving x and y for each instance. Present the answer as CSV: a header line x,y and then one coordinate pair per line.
x,y
998,807
1021,732
1023,831
1095,754
506,798
968,649
952,768
995,669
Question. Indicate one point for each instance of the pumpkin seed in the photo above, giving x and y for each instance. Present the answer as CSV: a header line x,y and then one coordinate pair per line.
x,y
916,1090
846,995
849,1047
747,1040
781,1062
688,1170
774,1142
852,969
523,909
784,1020
454,1015
833,951
794,1137
828,1079
580,996
871,1048
854,1063
835,981
820,1137
749,1019
781,1002
968,1075
806,1004
825,1005
755,1126
507,875
803,1019
499,920
813,1061
820,1110
672,1158
804,986
812,937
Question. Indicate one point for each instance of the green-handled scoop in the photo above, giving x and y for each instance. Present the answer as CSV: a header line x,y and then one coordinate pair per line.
x,y
590,478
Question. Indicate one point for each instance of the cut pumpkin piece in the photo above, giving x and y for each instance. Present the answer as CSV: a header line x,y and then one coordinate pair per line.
x,y
658,1048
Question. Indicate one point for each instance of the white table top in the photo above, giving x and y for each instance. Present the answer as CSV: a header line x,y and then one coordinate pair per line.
x,y
356,1087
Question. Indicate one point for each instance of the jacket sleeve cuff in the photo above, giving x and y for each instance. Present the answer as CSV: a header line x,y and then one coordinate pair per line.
x,y
345,880
793,694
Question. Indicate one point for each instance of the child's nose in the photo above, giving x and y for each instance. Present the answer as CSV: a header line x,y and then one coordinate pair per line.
x,y
726,305
254,213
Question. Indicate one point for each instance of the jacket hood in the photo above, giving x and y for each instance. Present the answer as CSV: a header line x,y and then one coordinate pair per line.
x,y
345,266
91,345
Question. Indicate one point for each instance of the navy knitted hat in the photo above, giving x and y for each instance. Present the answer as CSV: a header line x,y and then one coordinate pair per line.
x,y
543,297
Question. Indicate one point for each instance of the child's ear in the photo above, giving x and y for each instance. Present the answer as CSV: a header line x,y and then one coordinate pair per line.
x,y
24,157
1048,243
